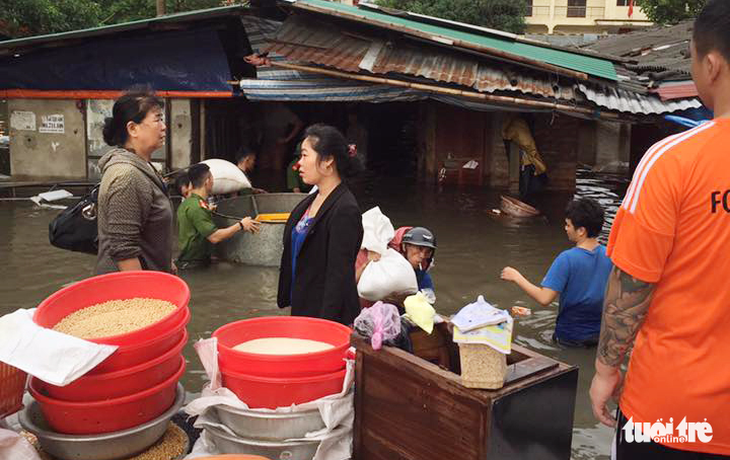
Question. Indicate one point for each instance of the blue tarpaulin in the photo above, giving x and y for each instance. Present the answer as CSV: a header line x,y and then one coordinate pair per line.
x,y
192,60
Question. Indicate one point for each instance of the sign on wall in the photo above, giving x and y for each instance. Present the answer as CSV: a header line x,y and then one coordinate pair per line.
x,y
22,120
52,124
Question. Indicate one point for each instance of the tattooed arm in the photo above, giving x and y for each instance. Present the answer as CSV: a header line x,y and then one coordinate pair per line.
x,y
625,305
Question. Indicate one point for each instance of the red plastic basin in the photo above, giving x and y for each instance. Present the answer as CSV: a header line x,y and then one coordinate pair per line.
x,y
271,392
118,286
96,417
134,354
297,327
120,383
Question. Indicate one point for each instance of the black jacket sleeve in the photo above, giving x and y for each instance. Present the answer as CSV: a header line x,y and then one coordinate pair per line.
x,y
345,237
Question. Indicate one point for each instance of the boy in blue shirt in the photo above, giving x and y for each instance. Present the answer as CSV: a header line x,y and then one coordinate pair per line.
x,y
579,275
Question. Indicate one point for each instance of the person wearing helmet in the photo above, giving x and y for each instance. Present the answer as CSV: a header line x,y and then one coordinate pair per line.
x,y
418,245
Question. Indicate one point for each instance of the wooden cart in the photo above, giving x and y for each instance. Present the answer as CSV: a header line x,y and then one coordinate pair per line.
x,y
408,408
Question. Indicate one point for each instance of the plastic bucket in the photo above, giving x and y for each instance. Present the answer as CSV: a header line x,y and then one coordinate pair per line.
x,y
270,392
132,355
120,383
96,417
118,286
298,327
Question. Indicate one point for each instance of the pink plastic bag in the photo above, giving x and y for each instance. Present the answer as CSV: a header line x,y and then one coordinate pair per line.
x,y
380,323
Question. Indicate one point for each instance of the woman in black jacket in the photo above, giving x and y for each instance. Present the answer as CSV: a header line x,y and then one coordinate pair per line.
x,y
323,233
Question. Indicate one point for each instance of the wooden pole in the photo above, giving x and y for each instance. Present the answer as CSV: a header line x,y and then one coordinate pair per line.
x,y
160,7
447,91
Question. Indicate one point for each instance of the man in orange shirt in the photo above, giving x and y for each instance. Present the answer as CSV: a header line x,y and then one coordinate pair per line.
x,y
668,295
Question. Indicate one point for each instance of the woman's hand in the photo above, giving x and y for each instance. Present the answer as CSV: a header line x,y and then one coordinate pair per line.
x,y
250,225
373,256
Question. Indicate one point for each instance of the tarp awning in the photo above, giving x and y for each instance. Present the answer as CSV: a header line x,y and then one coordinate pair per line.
x,y
192,60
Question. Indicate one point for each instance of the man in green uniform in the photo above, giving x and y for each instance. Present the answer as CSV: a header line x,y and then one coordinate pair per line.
x,y
294,182
196,231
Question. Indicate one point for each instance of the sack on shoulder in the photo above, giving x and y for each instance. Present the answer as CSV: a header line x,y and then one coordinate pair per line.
x,y
75,228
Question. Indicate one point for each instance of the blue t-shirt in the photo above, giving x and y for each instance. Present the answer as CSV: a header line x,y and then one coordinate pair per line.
x,y
580,276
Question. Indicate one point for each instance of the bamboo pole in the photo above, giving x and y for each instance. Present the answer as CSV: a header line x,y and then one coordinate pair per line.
x,y
441,90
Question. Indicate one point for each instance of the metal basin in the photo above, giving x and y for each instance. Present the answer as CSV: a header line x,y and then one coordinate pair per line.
x,y
265,247
107,446
273,450
270,426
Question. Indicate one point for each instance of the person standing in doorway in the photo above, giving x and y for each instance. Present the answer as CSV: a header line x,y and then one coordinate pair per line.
x,y
280,127
323,234
578,275
357,135
667,298
533,171
246,162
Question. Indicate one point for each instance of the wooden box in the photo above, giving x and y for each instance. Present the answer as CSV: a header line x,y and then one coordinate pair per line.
x,y
408,408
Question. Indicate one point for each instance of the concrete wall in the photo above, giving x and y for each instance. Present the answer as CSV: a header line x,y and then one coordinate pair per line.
x,y
180,127
601,16
50,149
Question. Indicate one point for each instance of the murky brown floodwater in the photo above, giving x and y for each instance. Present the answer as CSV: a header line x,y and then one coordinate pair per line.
x,y
473,248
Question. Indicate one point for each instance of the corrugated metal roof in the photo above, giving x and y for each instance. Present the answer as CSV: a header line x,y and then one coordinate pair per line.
x,y
653,50
590,65
306,40
628,102
283,84
8,45
677,90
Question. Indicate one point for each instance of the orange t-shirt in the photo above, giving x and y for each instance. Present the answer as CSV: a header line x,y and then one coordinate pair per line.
x,y
673,229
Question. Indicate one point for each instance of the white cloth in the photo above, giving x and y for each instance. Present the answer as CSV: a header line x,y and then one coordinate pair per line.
x,y
337,411
51,356
479,314
13,446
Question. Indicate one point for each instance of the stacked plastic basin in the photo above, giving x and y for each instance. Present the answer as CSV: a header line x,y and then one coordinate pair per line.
x,y
138,382
271,381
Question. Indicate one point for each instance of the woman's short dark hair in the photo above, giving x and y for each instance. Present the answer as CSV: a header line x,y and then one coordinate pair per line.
x,y
711,30
198,173
133,106
587,213
329,142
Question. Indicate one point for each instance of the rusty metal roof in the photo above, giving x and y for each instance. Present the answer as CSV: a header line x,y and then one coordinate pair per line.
x,y
458,37
308,40
304,39
677,90
652,51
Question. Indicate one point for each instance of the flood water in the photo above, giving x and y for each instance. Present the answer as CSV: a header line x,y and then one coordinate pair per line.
x,y
474,245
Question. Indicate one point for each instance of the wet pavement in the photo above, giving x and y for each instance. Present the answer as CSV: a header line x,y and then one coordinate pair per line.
x,y
474,245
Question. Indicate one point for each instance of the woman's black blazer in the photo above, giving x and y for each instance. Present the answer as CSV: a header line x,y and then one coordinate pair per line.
x,y
324,285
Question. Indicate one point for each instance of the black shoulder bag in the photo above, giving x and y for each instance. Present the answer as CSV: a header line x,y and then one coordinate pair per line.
x,y
75,228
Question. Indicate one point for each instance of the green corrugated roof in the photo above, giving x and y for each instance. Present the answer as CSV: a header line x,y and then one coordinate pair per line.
x,y
578,62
